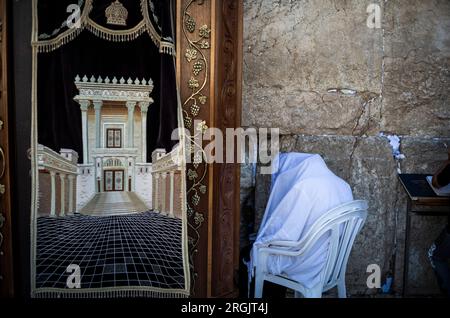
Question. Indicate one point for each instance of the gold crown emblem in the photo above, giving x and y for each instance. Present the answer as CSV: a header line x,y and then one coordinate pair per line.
x,y
116,14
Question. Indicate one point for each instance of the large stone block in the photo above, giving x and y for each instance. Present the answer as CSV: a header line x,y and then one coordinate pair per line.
x,y
417,68
423,155
302,112
295,51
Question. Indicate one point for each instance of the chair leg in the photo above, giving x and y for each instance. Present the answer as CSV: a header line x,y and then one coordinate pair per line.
x,y
342,292
314,293
259,284
298,294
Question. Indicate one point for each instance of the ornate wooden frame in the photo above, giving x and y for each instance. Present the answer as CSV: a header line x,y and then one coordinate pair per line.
x,y
209,69
6,268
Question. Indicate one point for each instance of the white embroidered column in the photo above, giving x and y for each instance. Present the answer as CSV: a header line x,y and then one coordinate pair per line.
x,y
84,105
133,174
172,176
53,194
71,179
63,194
155,205
130,106
98,174
163,192
144,110
98,114
126,181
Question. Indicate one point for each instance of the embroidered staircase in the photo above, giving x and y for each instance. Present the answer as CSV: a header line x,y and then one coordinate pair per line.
x,y
114,203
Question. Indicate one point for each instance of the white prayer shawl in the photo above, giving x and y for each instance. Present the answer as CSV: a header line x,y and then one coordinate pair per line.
x,y
303,189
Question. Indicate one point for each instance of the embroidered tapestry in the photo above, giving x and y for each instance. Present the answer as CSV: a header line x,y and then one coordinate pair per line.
x,y
108,206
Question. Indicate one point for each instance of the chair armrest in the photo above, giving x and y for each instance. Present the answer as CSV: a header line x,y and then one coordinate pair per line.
x,y
289,244
283,250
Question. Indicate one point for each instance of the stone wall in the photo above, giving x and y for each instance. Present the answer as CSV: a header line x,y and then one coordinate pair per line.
x,y
332,85
143,183
86,185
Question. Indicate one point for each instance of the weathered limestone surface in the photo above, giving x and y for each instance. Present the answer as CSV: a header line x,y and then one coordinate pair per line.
x,y
296,51
417,68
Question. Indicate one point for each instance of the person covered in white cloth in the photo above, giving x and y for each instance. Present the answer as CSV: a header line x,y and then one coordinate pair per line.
x,y
303,189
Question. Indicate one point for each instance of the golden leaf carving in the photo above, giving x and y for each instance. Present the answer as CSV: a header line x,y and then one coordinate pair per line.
x,y
204,31
202,99
205,45
193,83
202,127
191,54
199,218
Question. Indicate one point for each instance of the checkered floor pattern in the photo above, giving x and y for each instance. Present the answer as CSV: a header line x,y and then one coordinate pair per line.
x,y
141,249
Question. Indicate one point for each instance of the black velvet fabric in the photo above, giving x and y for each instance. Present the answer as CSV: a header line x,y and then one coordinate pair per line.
x,y
51,15
59,116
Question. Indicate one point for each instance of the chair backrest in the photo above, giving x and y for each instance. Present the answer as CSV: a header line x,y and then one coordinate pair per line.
x,y
342,224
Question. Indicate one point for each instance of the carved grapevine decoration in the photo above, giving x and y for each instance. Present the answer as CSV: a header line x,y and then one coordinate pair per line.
x,y
197,43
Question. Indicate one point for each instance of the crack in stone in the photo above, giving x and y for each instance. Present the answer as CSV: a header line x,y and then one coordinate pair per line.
x,y
352,154
368,98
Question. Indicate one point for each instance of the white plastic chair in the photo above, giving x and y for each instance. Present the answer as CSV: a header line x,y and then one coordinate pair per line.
x,y
343,224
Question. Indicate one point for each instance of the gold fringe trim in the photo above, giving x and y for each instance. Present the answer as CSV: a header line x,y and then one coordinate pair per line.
x,y
63,38
167,48
108,34
51,45
105,293
117,35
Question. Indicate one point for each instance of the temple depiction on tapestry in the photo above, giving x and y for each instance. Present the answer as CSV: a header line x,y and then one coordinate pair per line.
x,y
114,176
